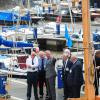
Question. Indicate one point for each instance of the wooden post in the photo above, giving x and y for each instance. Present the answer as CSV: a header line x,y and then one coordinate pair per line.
x,y
89,89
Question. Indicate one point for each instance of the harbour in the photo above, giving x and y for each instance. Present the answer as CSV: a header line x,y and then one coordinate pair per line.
x,y
34,26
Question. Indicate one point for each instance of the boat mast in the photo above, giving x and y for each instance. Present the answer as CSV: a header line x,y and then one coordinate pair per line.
x,y
89,88
71,17
28,6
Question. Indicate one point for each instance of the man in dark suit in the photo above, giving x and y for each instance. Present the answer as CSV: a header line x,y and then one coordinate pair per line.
x,y
75,78
98,3
97,71
65,70
50,75
42,77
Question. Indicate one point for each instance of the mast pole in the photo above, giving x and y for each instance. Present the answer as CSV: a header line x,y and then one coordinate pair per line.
x,y
28,6
89,89
71,17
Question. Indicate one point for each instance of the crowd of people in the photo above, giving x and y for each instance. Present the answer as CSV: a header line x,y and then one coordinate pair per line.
x,y
72,75
41,71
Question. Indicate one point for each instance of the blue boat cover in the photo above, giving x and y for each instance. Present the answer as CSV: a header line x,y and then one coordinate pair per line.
x,y
10,16
14,44
6,16
26,17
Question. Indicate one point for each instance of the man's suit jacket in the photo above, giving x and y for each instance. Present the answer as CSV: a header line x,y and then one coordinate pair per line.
x,y
40,63
75,76
50,68
66,69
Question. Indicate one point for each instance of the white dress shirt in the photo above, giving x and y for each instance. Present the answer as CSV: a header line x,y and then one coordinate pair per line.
x,y
30,67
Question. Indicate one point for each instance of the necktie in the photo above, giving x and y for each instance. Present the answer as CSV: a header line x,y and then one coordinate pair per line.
x,y
42,66
64,65
32,62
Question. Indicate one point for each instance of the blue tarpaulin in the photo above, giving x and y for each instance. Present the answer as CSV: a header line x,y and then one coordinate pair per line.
x,y
6,16
26,17
14,44
10,16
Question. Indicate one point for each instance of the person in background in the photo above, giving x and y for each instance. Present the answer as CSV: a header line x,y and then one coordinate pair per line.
x,y
32,75
50,75
75,78
65,70
97,71
65,57
67,51
37,50
42,77
80,5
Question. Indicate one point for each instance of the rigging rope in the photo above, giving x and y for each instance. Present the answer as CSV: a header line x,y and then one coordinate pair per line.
x,y
91,66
